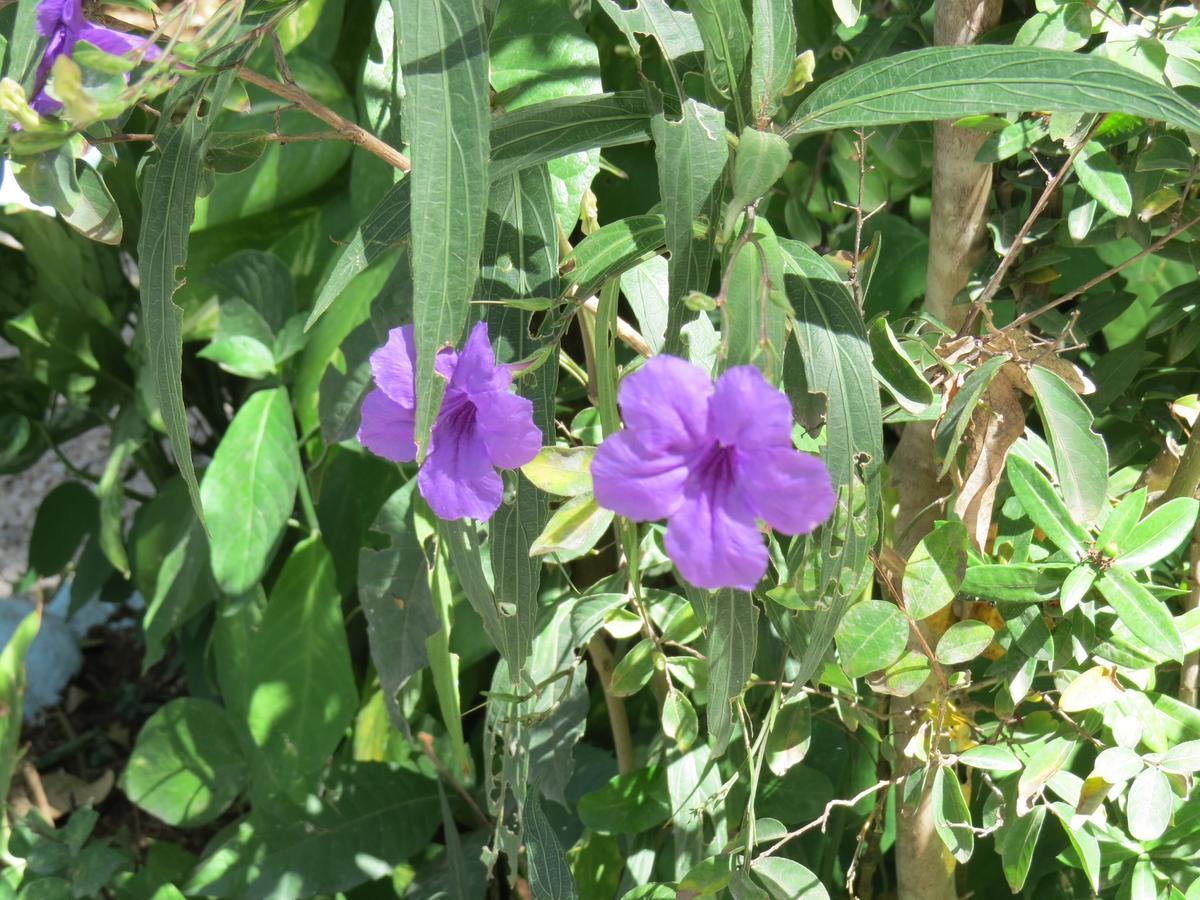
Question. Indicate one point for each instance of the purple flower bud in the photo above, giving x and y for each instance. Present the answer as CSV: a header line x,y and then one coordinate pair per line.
x,y
711,460
482,425
63,23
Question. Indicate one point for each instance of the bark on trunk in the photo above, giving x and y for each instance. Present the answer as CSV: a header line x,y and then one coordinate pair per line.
x,y
957,234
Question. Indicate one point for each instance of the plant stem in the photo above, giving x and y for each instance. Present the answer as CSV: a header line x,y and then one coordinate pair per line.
x,y
618,720
1104,276
349,131
306,504
1018,242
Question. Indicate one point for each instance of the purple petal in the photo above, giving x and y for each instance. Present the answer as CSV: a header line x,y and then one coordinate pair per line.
x,y
393,366
712,538
44,105
665,403
747,412
476,371
789,490
52,14
387,428
505,422
635,482
54,49
457,478
118,43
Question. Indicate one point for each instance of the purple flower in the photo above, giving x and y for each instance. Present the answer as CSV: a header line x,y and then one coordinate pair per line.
x,y
711,460
480,427
63,23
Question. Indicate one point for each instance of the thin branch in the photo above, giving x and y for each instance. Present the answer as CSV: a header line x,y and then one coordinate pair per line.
x,y
1104,276
823,820
351,132
1018,242
618,720
426,742
627,334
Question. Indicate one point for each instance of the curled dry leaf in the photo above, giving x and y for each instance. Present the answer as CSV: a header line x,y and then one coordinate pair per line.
x,y
995,426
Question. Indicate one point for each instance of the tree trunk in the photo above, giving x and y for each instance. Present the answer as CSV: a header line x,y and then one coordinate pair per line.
x,y
957,238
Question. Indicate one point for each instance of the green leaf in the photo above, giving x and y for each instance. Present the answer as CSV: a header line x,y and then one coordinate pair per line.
x,y
1076,585
614,249
1104,181
772,51
786,879
899,375
708,877
187,766
446,122
81,198
520,259
904,677
1116,765
679,721
871,636
1150,804
628,804
1121,520
726,38
963,641
127,435
301,688
510,634
284,172
540,52
380,233
13,679
1018,843
1159,534
790,736
393,588
761,159
64,518
732,636
250,488
951,815
562,471
674,31
958,415
1142,613
991,757
1008,583
951,82
837,364
1183,759
557,128
549,875
691,153
1044,507
934,572
368,819
756,325
1080,457
169,196
170,567
574,529
635,668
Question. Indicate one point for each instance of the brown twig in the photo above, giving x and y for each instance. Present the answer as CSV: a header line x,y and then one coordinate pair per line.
x,y
1104,276
627,334
351,132
823,820
426,742
618,720
1018,242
